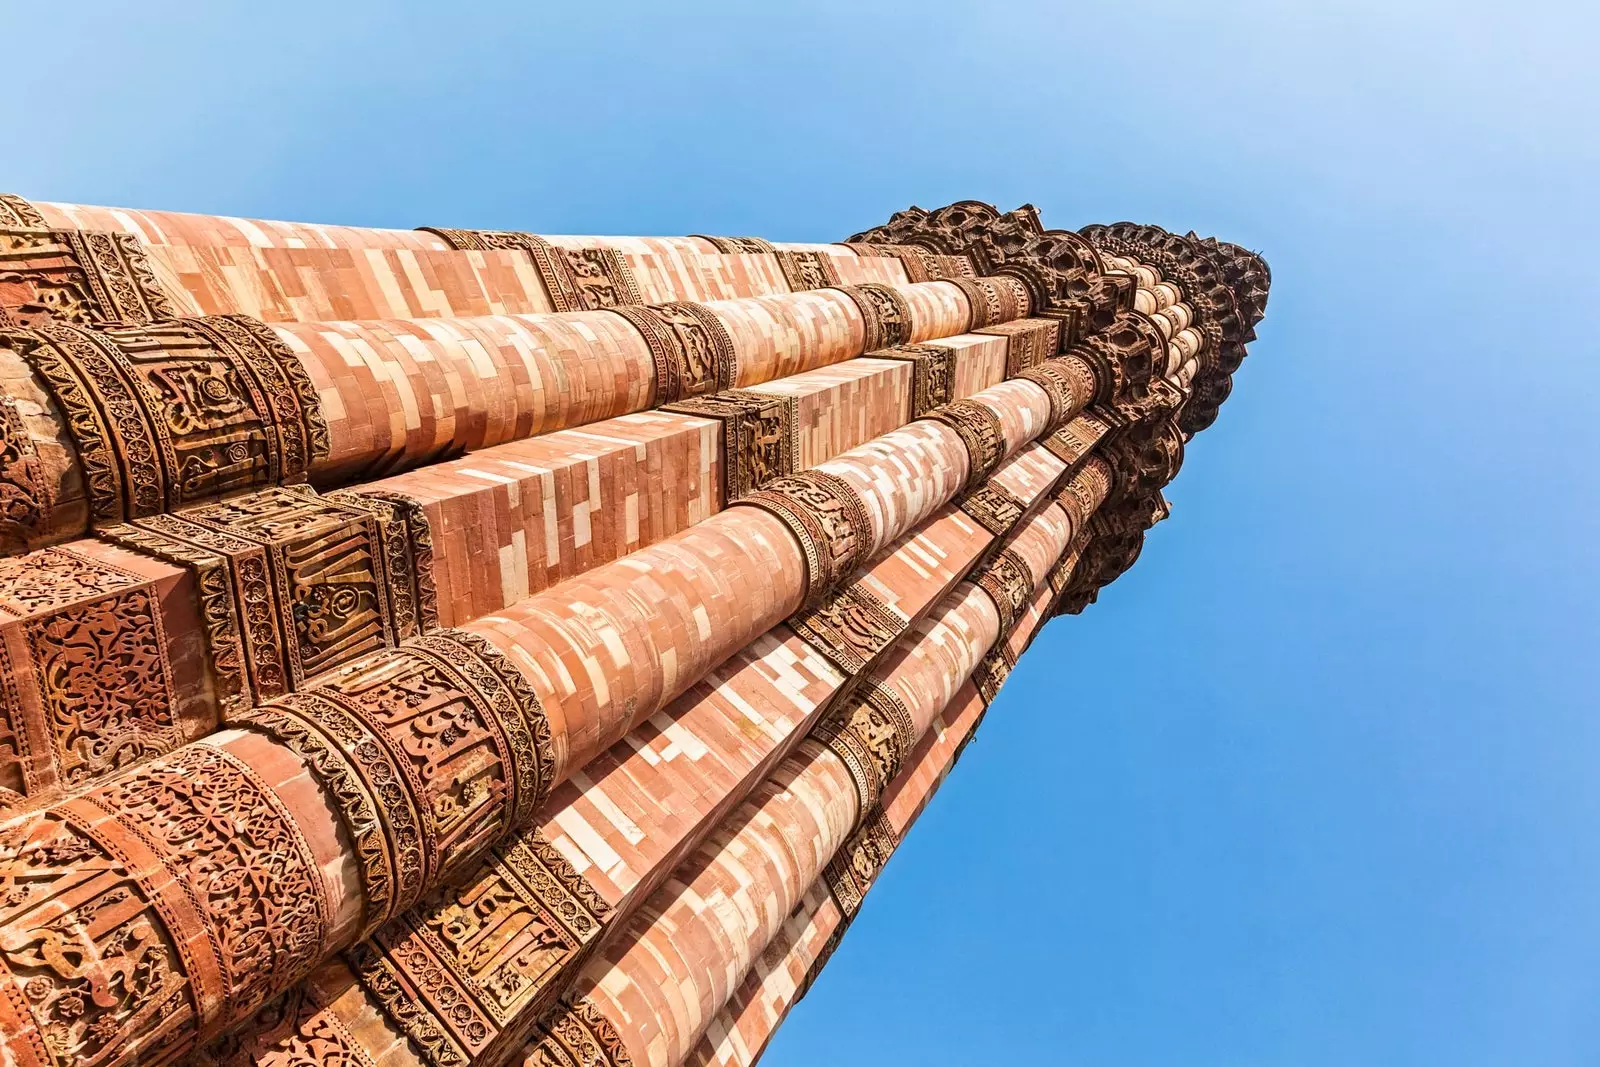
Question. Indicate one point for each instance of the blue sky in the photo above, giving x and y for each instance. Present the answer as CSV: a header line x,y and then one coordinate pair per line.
x,y
1315,783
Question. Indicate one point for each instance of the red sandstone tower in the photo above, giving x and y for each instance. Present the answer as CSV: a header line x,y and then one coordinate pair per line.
x,y
451,648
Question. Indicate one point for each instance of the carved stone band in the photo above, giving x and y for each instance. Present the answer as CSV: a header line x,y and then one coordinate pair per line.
x,y
692,350
459,1004
1009,582
808,270
932,376
180,412
993,507
827,518
78,277
1072,443
432,752
1085,491
1067,381
15,211
1029,342
859,861
293,584
979,429
152,912
872,732
577,1035
851,628
992,300
577,279
993,670
759,436
886,312
733,246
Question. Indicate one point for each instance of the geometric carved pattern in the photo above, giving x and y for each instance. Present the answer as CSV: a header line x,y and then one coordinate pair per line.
x,y
1068,382
24,495
577,1035
808,270
85,683
932,374
828,519
851,628
887,314
15,211
467,974
174,413
431,752
1029,342
691,349
872,732
577,279
141,918
1072,443
80,277
1009,582
293,584
993,507
759,436
979,429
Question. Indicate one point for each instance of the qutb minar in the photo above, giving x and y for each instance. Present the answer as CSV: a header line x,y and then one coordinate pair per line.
x,y
442,648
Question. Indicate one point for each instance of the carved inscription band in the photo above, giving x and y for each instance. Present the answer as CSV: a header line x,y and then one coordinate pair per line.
x,y
852,628
78,277
1009,582
872,732
577,279
979,429
933,374
577,1035
759,436
828,520
692,350
886,312
176,413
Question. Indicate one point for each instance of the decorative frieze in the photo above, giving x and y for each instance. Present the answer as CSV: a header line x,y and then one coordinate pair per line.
x,y
577,279
872,732
86,682
992,300
467,974
174,413
1029,342
293,584
577,1035
808,270
1067,381
993,670
692,350
25,499
980,431
933,374
857,864
430,752
994,507
852,628
1009,582
759,436
829,520
77,277
145,916
887,314
1072,443
15,211
734,246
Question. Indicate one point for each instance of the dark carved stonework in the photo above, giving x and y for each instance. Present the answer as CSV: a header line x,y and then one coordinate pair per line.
x,y
176,413
808,270
78,277
1072,443
1029,342
759,436
308,582
24,495
577,1035
992,300
431,752
692,350
933,374
143,917
887,314
15,211
1009,582
467,974
859,861
852,628
872,732
1068,382
980,431
734,246
577,279
993,507
993,670
827,518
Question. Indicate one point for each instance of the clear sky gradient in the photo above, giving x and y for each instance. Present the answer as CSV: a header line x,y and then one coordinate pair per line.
x,y
1314,784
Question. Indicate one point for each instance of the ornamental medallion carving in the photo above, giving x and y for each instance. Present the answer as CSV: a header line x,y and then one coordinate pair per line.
x,y
467,974
692,351
179,412
827,518
933,374
759,436
141,918
78,277
577,279
851,628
